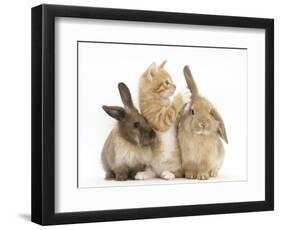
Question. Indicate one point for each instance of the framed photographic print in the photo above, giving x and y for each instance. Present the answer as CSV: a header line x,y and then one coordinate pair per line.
x,y
141,114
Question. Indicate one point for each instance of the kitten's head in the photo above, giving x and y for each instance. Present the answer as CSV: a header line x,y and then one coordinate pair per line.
x,y
159,80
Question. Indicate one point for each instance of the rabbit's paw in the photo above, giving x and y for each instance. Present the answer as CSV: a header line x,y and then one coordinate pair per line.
x,y
109,175
190,175
121,176
213,173
167,175
203,176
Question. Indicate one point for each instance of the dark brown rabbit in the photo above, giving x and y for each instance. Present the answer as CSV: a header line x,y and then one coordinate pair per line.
x,y
128,147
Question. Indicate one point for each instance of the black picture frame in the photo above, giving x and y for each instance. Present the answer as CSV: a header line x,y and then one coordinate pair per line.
x,y
43,114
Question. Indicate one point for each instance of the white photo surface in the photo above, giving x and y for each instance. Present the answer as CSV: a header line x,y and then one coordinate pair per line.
x,y
98,77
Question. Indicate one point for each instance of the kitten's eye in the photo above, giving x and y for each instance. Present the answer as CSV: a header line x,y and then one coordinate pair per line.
x,y
167,82
192,111
136,124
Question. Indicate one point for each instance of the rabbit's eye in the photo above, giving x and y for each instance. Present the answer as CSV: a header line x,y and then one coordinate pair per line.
x,y
192,111
167,82
136,124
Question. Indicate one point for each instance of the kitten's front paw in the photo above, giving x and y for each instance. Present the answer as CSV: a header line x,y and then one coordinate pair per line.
x,y
167,175
186,95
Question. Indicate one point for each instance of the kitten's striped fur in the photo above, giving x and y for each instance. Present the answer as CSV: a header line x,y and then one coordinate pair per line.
x,y
155,88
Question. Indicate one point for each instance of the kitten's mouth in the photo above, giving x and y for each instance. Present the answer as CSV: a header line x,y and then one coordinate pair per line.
x,y
169,94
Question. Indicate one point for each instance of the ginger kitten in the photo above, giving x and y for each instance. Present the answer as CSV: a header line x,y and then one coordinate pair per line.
x,y
155,89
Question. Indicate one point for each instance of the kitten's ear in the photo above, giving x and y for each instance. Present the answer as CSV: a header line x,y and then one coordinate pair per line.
x,y
163,64
115,111
151,71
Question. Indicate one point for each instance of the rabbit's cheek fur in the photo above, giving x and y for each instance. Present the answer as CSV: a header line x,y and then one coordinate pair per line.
x,y
140,135
128,154
129,134
147,138
132,138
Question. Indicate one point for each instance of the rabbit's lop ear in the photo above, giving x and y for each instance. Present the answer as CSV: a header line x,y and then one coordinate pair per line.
x,y
125,96
221,129
115,111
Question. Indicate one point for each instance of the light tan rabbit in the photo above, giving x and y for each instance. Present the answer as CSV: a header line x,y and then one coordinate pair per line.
x,y
200,131
128,147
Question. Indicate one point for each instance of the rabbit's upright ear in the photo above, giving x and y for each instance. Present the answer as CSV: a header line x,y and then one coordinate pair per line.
x,y
125,96
190,81
115,111
221,129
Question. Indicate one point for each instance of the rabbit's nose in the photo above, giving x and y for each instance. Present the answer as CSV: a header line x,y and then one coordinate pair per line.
x,y
203,125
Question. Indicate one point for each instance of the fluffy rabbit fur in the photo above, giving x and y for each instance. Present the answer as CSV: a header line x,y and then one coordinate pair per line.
x,y
200,131
128,147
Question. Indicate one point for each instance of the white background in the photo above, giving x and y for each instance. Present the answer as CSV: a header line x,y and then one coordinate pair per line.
x,y
221,75
15,114
232,100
